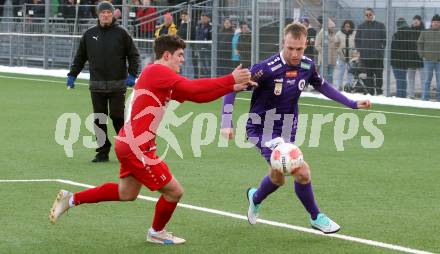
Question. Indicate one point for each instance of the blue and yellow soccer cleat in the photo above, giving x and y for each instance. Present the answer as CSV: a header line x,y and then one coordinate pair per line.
x,y
325,224
253,210
163,237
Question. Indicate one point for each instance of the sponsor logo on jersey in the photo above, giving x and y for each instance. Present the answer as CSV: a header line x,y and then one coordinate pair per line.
x,y
276,67
291,81
291,74
305,66
301,84
278,88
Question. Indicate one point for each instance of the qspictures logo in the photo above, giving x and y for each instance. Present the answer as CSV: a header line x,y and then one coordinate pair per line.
x,y
205,129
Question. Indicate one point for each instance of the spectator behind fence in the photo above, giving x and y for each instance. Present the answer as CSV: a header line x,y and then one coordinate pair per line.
x,y
68,10
189,52
400,56
416,62
168,26
428,47
224,49
36,9
329,69
107,47
344,43
310,51
370,42
244,45
203,52
146,17
182,32
243,27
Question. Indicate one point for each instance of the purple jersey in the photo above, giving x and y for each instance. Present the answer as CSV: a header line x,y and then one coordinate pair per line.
x,y
274,104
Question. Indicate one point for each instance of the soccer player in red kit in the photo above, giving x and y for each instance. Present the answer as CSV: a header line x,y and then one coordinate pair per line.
x,y
135,145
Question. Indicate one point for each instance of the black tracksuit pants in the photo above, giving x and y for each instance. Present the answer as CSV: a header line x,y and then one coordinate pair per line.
x,y
102,103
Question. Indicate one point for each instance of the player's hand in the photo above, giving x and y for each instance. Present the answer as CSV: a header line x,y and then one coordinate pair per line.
x,y
70,82
244,86
227,133
241,75
363,104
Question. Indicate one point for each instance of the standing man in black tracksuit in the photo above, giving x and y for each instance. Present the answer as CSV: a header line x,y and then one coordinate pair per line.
x,y
107,47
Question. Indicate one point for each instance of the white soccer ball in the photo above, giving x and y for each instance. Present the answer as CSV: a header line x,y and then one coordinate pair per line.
x,y
286,158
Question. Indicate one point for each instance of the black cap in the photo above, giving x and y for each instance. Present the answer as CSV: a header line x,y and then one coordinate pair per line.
x,y
104,5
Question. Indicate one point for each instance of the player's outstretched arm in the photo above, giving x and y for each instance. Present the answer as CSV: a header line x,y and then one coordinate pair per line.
x,y
209,89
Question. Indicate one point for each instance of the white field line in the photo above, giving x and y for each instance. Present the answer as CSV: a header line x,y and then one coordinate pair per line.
x,y
245,99
345,108
241,217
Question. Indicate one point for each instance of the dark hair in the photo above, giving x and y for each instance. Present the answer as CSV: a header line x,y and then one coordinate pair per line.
x,y
242,23
422,24
184,12
169,43
401,23
350,22
296,29
369,9
205,14
418,17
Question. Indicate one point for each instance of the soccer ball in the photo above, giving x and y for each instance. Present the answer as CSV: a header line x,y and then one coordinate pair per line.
x,y
286,158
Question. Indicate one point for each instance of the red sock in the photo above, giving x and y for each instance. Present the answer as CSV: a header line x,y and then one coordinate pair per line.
x,y
105,192
162,214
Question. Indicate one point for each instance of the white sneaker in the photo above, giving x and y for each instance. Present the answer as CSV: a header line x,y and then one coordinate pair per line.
x,y
163,237
60,205
325,224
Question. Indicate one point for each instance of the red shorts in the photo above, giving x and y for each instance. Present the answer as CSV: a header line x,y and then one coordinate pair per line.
x,y
154,177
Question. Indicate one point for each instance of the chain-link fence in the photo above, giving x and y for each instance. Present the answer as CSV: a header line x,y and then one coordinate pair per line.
x,y
393,48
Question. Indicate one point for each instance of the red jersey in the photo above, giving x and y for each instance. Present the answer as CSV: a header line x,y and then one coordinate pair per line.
x,y
156,86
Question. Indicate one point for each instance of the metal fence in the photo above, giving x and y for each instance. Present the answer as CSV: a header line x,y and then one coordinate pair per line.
x,y
365,61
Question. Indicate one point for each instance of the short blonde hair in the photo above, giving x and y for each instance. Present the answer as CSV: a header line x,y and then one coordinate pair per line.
x,y
296,29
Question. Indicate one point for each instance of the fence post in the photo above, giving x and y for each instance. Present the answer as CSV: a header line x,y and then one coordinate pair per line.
x,y
10,44
46,31
325,41
282,23
255,32
388,46
214,53
124,13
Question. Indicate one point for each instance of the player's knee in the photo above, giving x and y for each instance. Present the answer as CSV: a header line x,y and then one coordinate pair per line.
x,y
303,174
127,196
178,194
174,196
276,177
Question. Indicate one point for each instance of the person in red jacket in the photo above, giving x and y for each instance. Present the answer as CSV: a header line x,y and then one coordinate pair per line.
x,y
136,147
146,16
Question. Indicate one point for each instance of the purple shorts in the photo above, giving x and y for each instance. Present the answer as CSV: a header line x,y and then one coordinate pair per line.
x,y
255,136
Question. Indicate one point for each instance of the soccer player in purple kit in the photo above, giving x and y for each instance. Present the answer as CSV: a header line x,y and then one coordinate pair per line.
x,y
273,118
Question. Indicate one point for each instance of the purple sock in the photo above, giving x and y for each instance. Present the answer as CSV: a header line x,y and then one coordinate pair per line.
x,y
266,188
305,193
